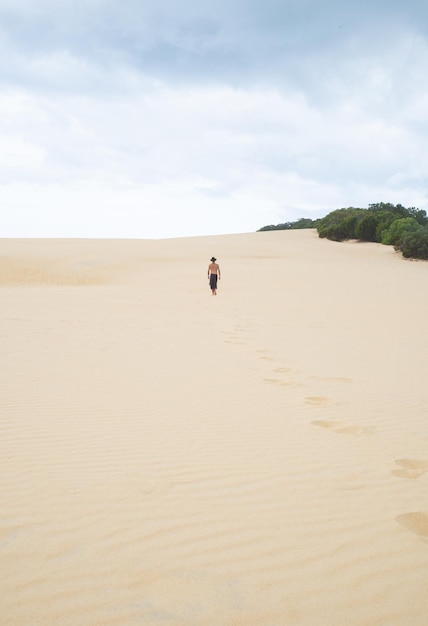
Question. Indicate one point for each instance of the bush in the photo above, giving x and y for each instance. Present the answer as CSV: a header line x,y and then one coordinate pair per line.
x,y
400,229
304,222
384,221
415,245
349,225
366,228
340,224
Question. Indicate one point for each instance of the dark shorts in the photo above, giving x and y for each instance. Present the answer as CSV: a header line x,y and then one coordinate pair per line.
x,y
213,281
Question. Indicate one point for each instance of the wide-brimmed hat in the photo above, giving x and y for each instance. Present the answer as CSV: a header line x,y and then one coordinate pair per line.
x,y
213,259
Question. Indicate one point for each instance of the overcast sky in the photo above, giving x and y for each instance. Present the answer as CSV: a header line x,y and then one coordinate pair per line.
x,y
169,118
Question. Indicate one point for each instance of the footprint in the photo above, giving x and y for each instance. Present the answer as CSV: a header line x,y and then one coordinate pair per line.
x,y
317,400
333,379
231,338
243,327
416,522
339,427
265,356
282,383
410,468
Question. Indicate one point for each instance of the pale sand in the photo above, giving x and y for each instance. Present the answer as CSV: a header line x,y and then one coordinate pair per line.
x,y
256,458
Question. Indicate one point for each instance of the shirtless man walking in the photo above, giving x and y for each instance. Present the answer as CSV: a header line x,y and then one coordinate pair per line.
x,y
213,274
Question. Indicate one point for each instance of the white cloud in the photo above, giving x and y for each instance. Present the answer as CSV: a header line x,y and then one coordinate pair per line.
x,y
166,119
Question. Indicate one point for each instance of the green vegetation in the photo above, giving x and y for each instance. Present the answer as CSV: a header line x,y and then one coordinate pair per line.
x,y
395,225
404,228
303,222
399,230
415,245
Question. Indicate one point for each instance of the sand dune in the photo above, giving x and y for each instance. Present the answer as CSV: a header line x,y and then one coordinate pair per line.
x,y
255,458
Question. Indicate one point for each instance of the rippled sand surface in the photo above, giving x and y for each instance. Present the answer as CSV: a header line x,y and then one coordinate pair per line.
x,y
255,458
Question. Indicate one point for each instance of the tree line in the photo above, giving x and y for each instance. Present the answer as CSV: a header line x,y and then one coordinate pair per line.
x,y
304,222
404,228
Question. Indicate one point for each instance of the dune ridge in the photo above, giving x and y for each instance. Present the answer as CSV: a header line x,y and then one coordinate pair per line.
x,y
258,457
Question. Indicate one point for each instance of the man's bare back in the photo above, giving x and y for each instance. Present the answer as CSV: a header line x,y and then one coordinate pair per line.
x,y
213,274
214,268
